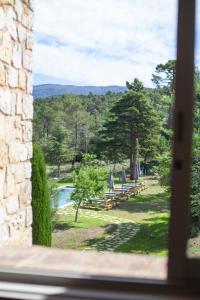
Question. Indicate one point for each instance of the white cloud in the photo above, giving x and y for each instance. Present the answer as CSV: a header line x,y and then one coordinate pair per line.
x,y
104,41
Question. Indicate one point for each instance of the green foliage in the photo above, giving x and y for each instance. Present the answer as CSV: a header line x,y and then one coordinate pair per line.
x,y
57,149
53,192
163,169
79,117
164,76
40,200
136,85
89,184
89,159
132,118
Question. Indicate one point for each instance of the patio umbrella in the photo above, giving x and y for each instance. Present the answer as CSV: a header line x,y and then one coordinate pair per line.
x,y
136,172
110,181
139,169
123,177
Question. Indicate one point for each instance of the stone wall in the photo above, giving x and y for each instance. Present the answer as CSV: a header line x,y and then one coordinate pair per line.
x,y
16,110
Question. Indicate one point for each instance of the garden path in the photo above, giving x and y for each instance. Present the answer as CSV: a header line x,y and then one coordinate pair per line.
x,y
126,228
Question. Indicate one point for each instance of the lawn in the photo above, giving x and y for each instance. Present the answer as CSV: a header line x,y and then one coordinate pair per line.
x,y
138,225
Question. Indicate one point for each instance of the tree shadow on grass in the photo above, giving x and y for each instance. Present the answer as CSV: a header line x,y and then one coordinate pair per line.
x,y
110,240
151,238
144,203
63,226
109,229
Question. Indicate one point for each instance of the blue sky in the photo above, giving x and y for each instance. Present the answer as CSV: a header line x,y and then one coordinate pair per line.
x,y
102,42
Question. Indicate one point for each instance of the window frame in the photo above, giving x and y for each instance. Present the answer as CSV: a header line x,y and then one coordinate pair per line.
x,y
179,266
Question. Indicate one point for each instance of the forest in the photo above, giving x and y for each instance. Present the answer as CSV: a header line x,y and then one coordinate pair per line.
x,y
133,126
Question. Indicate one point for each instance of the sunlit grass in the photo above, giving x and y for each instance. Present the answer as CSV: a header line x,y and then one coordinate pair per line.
x,y
149,210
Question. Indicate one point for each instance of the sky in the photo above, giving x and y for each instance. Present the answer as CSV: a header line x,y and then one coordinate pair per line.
x,y
102,42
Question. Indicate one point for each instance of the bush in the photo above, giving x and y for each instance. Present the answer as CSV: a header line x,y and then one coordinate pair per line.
x,y
41,228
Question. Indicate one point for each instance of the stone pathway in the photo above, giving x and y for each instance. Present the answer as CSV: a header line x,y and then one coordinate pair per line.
x,y
119,237
126,228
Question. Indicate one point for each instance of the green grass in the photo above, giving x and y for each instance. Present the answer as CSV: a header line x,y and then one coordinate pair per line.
x,y
150,239
149,210
152,201
65,222
71,235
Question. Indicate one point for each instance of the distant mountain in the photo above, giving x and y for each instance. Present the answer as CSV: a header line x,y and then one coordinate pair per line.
x,y
48,90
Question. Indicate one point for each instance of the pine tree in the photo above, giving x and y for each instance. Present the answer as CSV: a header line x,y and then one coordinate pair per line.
x,y
41,228
132,119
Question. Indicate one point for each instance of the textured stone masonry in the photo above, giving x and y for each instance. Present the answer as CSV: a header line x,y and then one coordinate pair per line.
x,y
16,112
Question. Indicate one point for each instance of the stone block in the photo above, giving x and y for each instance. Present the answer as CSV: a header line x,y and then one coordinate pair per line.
x,y
22,80
29,41
4,234
2,214
29,147
2,74
9,183
25,192
27,170
3,154
29,83
19,104
27,131
18,172
7,102
8,2
27,19
5,47
27,59
27,107
10,23
22,34
18,152
2,18
29,216
18,128
17,223
12,77
2,182
19,9
17,56
12,205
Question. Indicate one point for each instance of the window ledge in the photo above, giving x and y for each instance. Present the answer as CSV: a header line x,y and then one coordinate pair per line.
x,y
84,262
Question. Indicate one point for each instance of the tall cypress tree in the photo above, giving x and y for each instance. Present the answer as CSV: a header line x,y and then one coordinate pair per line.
x,y
40,200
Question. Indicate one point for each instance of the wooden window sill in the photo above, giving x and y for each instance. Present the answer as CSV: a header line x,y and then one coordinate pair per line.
x,y
83,262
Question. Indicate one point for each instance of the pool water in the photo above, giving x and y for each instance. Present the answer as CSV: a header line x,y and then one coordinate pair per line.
x,y
64,196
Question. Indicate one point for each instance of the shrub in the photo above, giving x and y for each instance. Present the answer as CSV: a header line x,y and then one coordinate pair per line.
x,y
89,184
41,228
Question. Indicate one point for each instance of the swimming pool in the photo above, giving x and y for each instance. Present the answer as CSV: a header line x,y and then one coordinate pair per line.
x,y
64,196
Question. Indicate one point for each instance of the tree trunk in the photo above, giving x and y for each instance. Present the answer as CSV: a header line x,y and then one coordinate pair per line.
x,y
77,209
73,162
58,173
133,158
